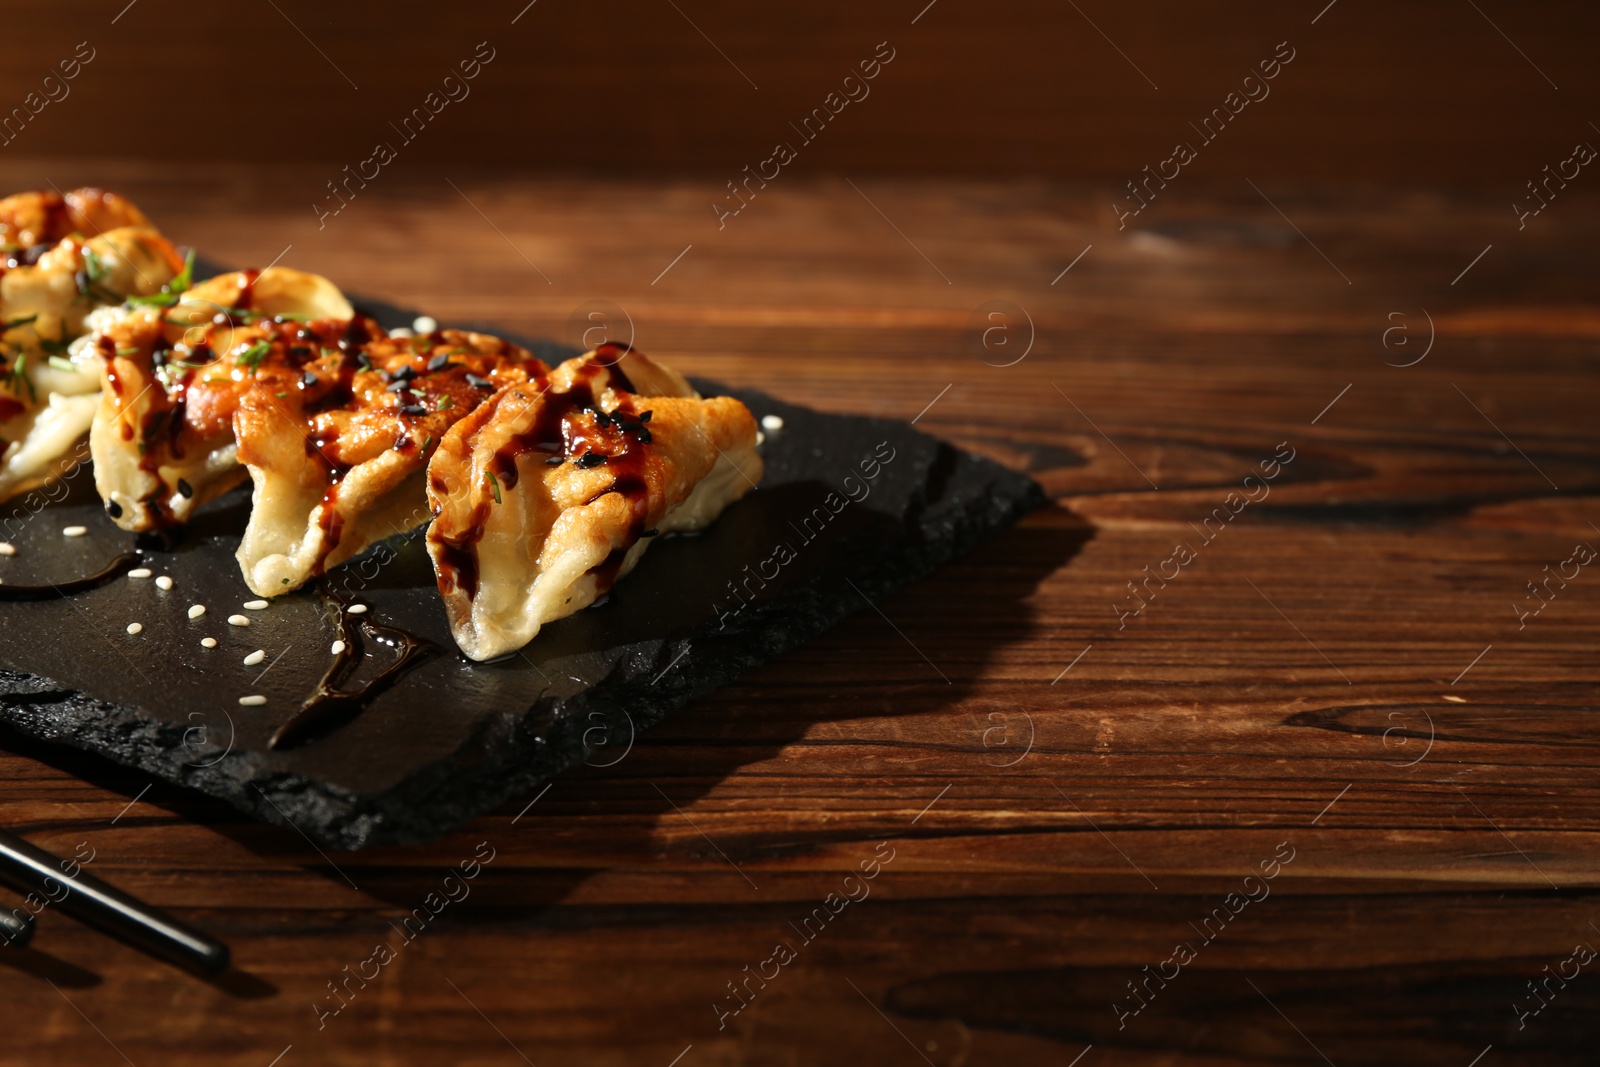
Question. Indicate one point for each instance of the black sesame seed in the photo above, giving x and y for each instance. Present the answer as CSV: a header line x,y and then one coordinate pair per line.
x,y
650,533
184,489
555,461
397,387
404,374
644,416
601,418
643,435
591,459
479,383
308,380
414,409
113,509
439,362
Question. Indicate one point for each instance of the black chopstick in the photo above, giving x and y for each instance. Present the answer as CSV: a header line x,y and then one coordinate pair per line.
x,y
16,928
29,869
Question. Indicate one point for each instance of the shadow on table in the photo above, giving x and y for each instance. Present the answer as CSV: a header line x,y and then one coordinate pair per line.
x,y
1006,571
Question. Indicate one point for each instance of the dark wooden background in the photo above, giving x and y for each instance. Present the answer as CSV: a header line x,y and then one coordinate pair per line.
x,y
1415,93
1342,670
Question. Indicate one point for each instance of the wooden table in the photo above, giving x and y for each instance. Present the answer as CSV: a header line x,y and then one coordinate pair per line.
x,y
1066,799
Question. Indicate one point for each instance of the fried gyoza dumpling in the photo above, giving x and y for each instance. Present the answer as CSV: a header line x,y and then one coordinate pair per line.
x,y
46,216
69,263
162,439
551,491
337,442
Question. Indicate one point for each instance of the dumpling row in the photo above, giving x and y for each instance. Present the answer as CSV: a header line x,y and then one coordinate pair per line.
x,y
541,487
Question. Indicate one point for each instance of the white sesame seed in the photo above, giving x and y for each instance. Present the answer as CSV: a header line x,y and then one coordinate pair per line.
x,y
400,331
238,620
135,627
163,582
255,605
772,423
208,642
255,657
197,611
338,647
358,609
75,531
139,572
424,324
254,701
7,548
761,438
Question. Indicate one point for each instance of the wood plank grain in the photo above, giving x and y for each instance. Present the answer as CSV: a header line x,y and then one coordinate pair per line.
x,y
1069,789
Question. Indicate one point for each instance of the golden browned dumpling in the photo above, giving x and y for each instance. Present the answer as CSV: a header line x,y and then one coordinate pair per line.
x,y
163,437
551,491
337,441
69,264
46,216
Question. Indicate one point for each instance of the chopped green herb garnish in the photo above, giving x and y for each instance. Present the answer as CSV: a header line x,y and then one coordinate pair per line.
x,y
168,296
494,483
14,323
63,364
428,442
127,351
280,395
154,300
446,403
252,356
94,270
17,373
184,278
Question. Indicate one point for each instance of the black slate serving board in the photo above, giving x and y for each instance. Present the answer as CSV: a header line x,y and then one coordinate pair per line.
x,y
452,739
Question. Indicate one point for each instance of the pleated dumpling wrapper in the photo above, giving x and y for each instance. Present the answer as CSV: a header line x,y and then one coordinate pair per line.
x,y
68,264
337,441
162,439
552,490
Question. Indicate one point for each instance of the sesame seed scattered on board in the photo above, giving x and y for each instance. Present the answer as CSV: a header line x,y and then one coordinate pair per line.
x,y
253,701
338,647
208,642
255,605
74,531
139,572
255,657
238,620
163,582
197,611
135,627
358,609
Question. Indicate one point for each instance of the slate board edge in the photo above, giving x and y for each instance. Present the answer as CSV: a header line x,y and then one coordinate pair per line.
x,y
437,799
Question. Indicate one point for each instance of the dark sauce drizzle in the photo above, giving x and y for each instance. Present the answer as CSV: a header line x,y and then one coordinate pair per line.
x,y
550,432
329,707
59,590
